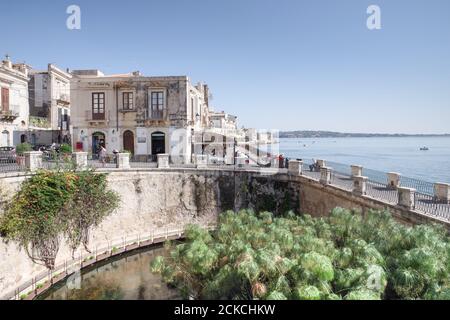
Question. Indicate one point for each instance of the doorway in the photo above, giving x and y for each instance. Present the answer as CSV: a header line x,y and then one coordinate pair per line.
x,y
128,141
158,143
98,139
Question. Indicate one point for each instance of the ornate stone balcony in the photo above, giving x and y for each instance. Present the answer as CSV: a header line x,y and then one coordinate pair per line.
x,y
8,115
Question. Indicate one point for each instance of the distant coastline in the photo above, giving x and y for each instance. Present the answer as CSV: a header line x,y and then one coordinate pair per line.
x,y
332,134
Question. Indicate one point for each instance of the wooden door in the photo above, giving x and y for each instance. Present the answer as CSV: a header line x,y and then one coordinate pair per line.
x,y
128,141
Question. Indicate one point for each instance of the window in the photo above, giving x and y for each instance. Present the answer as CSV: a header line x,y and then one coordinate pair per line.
x,y
157,104
127,100
98,106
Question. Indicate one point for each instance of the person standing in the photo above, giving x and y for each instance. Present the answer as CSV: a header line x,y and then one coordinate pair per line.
x,y
102,155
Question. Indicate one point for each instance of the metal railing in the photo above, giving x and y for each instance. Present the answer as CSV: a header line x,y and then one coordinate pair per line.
x,y
377,184
12,164
377,187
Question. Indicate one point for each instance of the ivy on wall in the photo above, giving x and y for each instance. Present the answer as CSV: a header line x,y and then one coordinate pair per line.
x,y
55,204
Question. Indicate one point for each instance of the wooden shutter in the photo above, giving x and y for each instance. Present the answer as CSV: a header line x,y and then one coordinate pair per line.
x,y
5,99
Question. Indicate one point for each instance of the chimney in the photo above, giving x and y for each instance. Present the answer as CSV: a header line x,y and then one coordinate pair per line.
x,y
7,62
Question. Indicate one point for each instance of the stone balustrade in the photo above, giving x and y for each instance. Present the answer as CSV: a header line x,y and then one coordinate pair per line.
x,y
356,170
325,175
442,192
320,163
406,197
163,161
359,185
80,159
393,180
123,161
295,167
201,161
33,160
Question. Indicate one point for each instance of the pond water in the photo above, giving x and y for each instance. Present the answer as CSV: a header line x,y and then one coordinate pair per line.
x,y
127,277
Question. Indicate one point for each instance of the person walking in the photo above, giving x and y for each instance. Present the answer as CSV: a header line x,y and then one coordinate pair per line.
x,y
102,155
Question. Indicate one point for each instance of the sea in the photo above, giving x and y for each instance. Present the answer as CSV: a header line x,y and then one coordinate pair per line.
x,y
388,154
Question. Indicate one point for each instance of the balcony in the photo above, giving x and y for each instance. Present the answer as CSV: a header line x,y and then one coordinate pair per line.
x,y
8,115
39,122
97,119
156,118
63,100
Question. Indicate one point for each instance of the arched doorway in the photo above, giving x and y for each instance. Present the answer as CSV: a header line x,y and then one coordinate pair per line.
x,y
128,141
23,138
98,139
158,143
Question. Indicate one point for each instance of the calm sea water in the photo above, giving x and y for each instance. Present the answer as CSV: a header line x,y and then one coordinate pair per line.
x,y
401,155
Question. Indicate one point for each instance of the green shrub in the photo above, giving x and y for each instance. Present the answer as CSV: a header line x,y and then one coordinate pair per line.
x,y
55,203
65,148
23,147
343,256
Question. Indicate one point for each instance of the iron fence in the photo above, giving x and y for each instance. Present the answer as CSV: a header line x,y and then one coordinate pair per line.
x,y
424,187
381,191
12,165
428,204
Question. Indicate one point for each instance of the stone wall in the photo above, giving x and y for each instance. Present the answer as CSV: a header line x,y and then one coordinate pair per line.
x,y
152,201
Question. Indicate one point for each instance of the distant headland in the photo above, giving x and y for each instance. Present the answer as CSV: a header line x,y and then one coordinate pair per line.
x,y
332,134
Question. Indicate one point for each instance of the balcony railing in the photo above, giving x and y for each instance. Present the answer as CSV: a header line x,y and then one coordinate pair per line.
x,y
8,115
155,114
39,122
97,117
63,99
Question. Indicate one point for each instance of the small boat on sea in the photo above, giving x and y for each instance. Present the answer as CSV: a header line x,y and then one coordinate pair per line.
x,y
424,149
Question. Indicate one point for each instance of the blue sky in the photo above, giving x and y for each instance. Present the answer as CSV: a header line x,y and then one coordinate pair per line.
x,y
309,65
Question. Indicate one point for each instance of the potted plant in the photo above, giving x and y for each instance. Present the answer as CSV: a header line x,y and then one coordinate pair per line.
x,y
21,148
65,150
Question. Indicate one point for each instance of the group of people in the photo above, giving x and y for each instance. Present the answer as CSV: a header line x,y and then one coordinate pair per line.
x,y
102,154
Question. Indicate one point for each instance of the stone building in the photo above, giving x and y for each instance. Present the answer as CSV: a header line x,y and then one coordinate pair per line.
x,y
49,95
143,115
223,120
14,108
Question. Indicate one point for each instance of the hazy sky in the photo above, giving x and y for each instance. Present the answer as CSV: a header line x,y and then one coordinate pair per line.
x,y
309,65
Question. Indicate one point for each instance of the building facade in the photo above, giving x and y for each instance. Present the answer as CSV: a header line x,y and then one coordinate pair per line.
x,y
14,107
49,96
142,115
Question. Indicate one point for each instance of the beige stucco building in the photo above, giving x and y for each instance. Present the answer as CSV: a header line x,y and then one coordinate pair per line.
x,y
144,115
49,95
14,108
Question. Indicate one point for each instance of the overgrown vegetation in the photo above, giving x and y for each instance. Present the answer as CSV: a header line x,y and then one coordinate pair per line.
x,y
52,204
344,256
21,148
65,148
